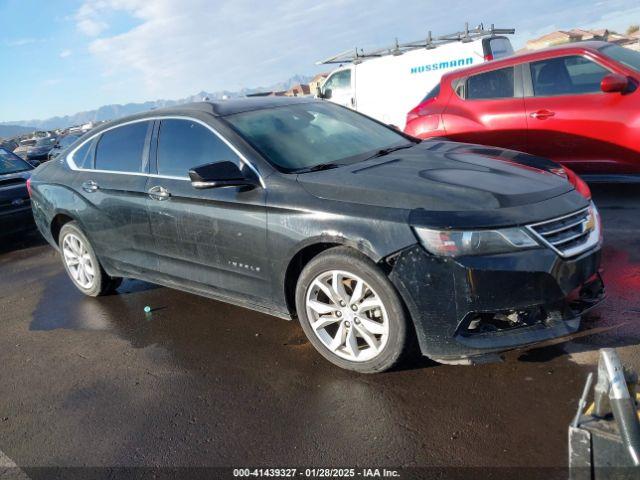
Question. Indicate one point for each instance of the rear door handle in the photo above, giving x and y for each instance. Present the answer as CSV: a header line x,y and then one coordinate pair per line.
x,y
90,186
542,114
158,193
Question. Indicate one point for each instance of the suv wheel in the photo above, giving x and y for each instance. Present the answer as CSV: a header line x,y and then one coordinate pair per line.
x,y
81,263
350,311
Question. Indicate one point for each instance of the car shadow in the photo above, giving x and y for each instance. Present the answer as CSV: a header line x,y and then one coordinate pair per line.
x,y
21,241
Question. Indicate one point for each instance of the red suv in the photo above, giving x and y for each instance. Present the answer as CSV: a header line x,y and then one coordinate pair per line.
x,y
577,104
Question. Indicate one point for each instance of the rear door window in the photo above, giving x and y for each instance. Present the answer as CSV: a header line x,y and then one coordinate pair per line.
x,y
122,148
572,75
184,144
489,85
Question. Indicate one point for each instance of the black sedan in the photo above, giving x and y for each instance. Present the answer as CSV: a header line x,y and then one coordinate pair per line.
x,y
304,209
15,205
40,151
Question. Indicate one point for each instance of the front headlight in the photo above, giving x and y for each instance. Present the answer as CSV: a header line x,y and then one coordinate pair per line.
x,y
457,243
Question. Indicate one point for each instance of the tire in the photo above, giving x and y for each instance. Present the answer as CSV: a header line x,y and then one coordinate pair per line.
x,y
367,338
82,264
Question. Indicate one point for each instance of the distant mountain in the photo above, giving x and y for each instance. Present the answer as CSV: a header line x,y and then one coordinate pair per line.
x,y
7,131
111,112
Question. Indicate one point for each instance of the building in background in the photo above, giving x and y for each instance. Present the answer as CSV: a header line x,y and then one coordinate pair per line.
x,y
631,39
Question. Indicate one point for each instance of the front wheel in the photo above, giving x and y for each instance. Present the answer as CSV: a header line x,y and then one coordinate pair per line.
x,y
81,263
350,311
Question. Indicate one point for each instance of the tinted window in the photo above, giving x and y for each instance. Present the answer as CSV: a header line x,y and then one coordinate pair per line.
x,y
494,84
566,76
627,57
300,136
10,163
500,47
83,157
121,149
184,144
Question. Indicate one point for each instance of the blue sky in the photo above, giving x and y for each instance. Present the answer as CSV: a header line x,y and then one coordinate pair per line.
x,y
64,56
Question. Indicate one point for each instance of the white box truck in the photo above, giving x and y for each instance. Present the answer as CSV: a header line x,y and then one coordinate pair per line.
x,y
385,84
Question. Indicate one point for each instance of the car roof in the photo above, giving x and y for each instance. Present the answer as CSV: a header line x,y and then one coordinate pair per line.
x,y
574,47
218,108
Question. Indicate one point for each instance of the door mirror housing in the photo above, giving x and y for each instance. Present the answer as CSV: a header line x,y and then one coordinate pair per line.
x,y
614,82
221,174
35,163
326,94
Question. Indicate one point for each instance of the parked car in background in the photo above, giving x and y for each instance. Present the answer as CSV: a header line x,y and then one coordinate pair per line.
x,y
304,209
9,144
386,83
24,146
61,144
15,204
577,104
40,151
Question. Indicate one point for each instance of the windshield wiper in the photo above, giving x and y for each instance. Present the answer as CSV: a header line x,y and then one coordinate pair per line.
x,y
318,167
386,151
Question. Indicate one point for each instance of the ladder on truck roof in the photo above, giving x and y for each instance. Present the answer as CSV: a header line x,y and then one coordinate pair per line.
x,y
467,35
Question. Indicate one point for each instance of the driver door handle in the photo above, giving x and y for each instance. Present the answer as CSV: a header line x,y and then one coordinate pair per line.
x,y
90,186
542,114
159,193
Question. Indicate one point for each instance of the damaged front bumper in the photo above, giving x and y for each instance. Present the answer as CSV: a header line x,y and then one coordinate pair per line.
x,y
465,310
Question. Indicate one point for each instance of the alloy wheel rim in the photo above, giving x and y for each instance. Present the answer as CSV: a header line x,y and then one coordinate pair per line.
x,y
347,315
78,261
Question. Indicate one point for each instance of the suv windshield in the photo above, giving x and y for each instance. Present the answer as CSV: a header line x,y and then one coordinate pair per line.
x,y
10,163
302,136
623,55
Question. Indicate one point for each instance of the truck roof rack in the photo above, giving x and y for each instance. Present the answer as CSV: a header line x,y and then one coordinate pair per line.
x,y
467,35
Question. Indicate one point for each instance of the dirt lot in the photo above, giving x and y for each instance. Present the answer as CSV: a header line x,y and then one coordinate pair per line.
x,y
97,383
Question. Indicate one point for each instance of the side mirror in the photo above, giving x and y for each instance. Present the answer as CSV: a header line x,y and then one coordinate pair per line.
x,y
221,174
614,82
35,163
327,93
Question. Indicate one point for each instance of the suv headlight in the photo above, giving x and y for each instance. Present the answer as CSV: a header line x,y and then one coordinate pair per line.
x,y
458,243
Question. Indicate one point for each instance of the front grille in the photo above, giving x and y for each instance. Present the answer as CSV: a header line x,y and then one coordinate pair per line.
x,y
571,234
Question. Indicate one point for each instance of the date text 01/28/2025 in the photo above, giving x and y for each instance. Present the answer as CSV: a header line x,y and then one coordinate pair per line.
x,y
316,472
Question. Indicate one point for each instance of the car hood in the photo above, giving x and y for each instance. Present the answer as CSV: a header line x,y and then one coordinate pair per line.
x,y
448,183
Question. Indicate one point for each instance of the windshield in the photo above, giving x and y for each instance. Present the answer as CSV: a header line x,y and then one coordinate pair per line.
x,y
623,55
301,136
27,143
10,163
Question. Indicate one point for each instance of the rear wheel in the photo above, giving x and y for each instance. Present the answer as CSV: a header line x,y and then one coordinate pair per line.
x,y
81,263
351,312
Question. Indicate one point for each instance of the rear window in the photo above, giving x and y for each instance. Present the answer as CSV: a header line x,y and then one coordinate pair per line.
x,y
433,93
500,47
493,84
622,55
10,163
122,148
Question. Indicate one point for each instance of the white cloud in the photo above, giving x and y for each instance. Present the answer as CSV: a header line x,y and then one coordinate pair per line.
x,y
65,53
19,42
180,47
